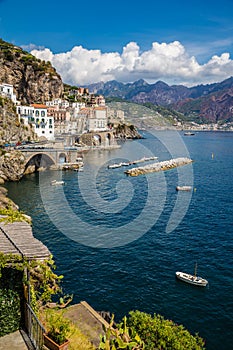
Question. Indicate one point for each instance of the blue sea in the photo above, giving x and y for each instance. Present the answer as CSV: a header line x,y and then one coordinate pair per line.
x,y
119,240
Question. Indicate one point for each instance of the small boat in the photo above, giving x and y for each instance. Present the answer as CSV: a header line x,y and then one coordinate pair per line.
x,y
183,188
192,279
55,182
189,133
113,166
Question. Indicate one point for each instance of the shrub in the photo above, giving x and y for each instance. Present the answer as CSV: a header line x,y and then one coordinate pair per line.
x,y
158,333
58,327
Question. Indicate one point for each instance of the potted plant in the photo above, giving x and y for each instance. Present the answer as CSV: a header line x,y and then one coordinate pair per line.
x,y
58,330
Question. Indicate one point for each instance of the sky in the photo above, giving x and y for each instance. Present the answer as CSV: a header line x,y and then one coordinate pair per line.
x,y
178,42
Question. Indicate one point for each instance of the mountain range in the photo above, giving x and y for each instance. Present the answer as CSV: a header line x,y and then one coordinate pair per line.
x,y
211,103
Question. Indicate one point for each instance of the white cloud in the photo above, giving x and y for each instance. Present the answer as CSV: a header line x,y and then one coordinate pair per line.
x,y
164,61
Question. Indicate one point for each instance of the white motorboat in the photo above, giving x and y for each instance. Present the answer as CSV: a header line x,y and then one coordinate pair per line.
x,y
55,182
183,188
192,279
113,166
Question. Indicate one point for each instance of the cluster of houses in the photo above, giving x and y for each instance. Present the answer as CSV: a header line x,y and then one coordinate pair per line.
x,y
62,117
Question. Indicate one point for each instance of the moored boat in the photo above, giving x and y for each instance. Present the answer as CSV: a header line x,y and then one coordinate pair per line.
x,y
189,133
55,182
183,188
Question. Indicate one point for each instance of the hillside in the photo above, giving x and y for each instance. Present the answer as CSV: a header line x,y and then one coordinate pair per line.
x,y
202,103
213,108
34,80
144,116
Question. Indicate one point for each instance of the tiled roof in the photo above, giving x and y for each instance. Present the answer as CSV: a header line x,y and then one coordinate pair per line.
x,y
35,105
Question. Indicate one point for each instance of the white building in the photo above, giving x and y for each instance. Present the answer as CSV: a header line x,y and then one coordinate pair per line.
x,y
7,90
58,102
36,115
97,119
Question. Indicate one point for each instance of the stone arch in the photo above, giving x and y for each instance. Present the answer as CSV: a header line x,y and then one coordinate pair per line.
x,y
97,140
62,158
40,160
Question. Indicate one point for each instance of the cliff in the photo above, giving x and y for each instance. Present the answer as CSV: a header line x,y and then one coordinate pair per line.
x,y
124,131
12,166
34,80
11,130
6,202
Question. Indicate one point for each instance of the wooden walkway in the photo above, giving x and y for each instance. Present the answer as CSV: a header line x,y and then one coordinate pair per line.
x,y
17,238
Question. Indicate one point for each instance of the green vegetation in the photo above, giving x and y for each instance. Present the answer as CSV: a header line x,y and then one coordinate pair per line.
x,y
11,215
161,334
165,112
143,331
10,300
58,328
43,283
10,317
55,318
142,116
122,337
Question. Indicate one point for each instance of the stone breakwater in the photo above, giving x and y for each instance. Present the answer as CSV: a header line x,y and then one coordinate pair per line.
x,y
159,166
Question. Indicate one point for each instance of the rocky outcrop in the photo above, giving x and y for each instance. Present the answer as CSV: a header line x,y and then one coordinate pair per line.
x,y
124,131
5,202
12,166
34,80
11,130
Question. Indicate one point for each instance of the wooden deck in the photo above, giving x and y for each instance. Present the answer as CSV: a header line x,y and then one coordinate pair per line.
x,y
17,238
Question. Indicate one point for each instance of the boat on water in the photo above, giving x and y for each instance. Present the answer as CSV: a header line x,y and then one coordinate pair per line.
x,y
55,182
189,133
113,166
183,188
192,279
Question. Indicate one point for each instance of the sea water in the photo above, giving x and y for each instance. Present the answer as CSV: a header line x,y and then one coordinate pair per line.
x,y
118,241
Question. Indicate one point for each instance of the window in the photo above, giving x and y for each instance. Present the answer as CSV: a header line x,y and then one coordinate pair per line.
x,y
42,131
37,113
42,113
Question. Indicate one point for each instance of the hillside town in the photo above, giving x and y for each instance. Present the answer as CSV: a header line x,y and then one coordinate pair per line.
x,y
79,114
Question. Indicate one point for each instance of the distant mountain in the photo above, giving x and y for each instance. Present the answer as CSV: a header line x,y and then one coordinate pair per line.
x,y
201,103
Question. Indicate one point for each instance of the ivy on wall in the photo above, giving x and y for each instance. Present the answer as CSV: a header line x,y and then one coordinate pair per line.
x,y
11,293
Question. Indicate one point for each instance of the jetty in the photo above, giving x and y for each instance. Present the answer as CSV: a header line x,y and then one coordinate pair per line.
x,y
141,160
159,166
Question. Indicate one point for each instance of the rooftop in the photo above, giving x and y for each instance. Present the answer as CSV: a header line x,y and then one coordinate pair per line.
x,y
17,238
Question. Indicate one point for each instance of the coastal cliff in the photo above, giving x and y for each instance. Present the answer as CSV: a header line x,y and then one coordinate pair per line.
x,y
12,166
5,201
12,162
124,131
34,80
11,129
